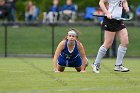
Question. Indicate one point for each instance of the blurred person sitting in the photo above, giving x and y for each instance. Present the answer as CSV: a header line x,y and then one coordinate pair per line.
x,y
138,12
4,11
68,12
31,11
52,15
11,4
35,13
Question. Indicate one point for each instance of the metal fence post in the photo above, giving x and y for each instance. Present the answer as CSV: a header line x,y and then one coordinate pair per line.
x,y
53,39
5,40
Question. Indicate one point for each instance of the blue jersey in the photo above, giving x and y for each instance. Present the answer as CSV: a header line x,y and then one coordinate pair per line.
x,y
70,55
54,9
70,58
69,7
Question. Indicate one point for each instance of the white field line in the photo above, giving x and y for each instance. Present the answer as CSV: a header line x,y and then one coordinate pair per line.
x,y
14,71
11,71
7,70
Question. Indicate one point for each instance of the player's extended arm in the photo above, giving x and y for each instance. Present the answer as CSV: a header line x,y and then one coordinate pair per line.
x,y
83,56
56,55
125,6
104,8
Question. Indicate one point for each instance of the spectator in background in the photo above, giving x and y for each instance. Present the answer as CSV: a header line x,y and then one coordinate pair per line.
x,y
138,12
68,11
31,12
36,13
4,11
12,15
52,15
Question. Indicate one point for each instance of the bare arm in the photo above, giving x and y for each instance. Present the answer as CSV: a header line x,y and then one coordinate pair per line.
x,y
83,55
104,8
125,5
59,48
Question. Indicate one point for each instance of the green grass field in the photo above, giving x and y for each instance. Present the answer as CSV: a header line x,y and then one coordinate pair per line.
x,y
35,75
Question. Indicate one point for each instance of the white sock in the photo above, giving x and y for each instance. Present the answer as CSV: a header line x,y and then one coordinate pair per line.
x,y
120,54
101,52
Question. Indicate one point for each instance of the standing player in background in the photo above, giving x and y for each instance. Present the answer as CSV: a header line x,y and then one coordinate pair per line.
x,y
113,26
70,53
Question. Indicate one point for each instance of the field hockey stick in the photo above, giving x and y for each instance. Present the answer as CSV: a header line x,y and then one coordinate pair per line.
x,y
123,19
98,15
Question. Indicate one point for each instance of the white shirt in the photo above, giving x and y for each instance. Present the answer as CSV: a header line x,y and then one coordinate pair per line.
x,y
115,8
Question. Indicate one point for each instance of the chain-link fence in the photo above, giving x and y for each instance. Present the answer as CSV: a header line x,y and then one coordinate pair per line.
x,y
38,40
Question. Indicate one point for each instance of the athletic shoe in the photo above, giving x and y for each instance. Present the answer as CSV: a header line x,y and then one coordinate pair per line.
x,y
120,68
87,62
95,68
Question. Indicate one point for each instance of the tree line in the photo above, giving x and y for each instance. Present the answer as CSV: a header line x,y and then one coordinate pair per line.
x,y
43,5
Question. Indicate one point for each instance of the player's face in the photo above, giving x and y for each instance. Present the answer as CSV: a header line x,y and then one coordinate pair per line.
x,y
71,37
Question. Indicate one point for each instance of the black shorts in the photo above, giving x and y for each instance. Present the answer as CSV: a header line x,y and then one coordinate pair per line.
x,y
113,25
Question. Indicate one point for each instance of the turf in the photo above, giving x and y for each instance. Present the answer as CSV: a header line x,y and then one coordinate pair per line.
x,y
35,75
